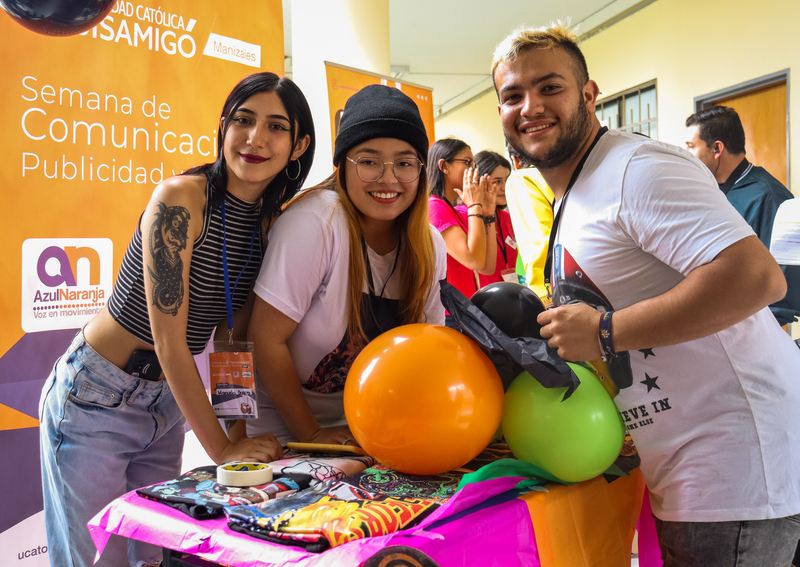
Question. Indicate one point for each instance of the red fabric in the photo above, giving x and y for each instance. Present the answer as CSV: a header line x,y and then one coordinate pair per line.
x,y
443,217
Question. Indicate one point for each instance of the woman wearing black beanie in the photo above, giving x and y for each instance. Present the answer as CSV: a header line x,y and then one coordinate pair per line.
x,y
348,260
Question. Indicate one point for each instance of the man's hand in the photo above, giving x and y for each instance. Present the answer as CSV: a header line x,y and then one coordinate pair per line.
x,y
572,330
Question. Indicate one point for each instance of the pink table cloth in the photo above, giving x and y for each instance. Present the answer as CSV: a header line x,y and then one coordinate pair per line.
x,y
477,526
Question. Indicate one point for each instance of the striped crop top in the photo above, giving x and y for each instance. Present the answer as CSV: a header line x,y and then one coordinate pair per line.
x,y
207,308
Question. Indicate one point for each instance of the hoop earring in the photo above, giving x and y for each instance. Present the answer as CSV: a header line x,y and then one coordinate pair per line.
x,y
299,169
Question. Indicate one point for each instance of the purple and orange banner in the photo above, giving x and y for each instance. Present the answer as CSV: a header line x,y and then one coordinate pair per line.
x,y
91,124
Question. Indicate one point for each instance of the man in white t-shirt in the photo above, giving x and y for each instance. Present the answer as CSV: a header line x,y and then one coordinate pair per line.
x,y
647,272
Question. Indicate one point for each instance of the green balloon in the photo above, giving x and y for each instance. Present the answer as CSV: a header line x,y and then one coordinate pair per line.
x,y
576,439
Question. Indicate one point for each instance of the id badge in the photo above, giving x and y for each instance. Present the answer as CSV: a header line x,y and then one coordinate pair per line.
x,y
233,383
509,275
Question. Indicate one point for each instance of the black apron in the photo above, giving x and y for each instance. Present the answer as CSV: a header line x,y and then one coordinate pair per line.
x,y
378,315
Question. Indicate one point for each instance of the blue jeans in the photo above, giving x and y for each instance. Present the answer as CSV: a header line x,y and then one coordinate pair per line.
x,y
103,433
750,543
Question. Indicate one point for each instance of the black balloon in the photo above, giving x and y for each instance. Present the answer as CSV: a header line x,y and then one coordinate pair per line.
x,y
512,307
57,17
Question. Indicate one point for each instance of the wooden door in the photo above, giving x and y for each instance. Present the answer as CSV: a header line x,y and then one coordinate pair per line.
x,y
763,115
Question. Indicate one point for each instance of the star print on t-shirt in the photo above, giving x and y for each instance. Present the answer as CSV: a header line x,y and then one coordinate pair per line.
x,y
650,382
647,352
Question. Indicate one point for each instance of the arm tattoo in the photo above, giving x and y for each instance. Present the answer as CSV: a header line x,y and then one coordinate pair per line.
x,y
168,236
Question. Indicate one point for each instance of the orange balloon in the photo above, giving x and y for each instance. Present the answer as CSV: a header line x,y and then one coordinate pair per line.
x,y
423,399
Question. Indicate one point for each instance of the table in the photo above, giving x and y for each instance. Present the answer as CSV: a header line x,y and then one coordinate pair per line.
x,y
488,523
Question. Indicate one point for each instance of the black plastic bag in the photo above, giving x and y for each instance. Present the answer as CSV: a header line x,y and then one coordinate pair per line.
x,y
509,355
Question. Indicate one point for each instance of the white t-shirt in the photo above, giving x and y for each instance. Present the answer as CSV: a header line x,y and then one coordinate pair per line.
x,y
304,276
716,420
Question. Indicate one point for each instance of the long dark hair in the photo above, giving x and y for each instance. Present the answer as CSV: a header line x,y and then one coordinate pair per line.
x,y
281,189
446,149
487,161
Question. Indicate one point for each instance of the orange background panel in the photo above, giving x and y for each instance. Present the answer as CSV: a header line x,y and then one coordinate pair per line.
x,y
35,70
345,82
13,419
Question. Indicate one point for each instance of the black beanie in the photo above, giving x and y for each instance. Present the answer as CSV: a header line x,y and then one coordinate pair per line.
x,y
378,111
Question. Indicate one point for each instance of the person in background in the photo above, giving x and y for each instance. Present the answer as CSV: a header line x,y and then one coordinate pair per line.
x,y
530,204
716,137
112,411
348,260
469,233
498,169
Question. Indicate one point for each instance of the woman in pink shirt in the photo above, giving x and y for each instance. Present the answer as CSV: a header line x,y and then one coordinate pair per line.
x,y
469,234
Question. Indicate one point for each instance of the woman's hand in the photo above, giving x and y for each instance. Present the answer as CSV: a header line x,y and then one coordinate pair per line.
x,y
333,436
476,190
488,193
262,449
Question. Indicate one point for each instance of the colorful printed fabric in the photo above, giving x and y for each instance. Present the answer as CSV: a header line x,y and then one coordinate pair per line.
x,y
375,500
252,521
381,480
198,494
296,521
330,374
312,543
322,468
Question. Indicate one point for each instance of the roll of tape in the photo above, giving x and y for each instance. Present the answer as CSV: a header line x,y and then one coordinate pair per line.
x,y
244,474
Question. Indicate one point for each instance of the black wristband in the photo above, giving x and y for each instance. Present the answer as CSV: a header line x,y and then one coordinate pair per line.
x,y
606,342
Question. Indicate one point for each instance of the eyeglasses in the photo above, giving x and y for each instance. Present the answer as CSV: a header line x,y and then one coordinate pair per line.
x,y
370,169
465,160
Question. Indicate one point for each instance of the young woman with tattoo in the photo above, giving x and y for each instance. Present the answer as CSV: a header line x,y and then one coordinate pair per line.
x,y
104,430
348,260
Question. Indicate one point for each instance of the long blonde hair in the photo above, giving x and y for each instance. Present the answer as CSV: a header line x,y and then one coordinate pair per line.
x,y
416,253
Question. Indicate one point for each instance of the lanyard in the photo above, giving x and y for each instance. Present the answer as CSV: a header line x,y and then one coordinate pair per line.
x,y
228,292
548,265
371,285
502,241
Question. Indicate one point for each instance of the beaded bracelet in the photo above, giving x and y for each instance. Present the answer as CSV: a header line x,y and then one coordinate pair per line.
x,y
606,342
486,220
